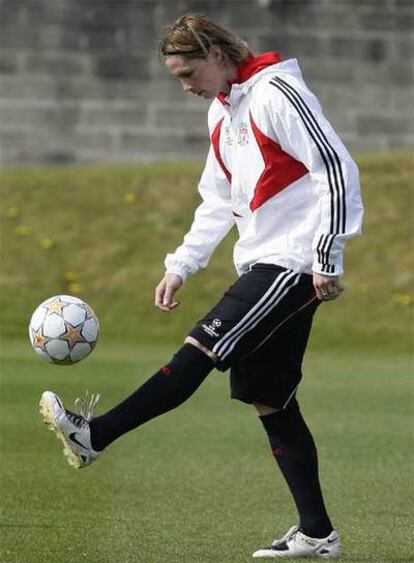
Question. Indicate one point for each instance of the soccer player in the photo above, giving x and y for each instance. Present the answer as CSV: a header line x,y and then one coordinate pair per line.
x,y
277,170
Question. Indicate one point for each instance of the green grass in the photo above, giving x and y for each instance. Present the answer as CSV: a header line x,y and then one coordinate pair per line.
x,y
199,485
80,230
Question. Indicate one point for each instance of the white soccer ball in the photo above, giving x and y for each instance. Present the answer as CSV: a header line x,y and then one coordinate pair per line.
x,y
63,329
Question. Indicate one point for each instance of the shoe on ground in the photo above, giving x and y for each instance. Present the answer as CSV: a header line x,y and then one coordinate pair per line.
x,y
295,544
71,428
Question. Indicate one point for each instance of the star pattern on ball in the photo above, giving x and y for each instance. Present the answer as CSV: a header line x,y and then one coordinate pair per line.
x,y
89,312
38,338
55,306
72,336
63,329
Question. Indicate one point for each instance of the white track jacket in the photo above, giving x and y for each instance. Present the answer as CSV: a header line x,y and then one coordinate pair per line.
x,y
276,169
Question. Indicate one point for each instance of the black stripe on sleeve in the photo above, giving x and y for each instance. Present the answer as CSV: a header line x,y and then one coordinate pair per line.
x,y
331,152
317,143
333,168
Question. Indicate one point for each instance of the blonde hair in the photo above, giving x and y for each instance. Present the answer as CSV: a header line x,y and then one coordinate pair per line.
x,y
193,35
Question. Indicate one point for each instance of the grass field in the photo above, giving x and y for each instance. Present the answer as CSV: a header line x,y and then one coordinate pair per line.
x,y
102,233
199,485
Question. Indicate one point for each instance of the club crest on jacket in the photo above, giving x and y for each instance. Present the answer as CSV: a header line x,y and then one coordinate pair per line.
x,y
243,136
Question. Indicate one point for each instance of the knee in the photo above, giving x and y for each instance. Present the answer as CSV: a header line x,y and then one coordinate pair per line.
x,y
285,412
264,409
197,344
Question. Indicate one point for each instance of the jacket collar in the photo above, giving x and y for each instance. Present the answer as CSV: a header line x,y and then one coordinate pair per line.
x,y
248,68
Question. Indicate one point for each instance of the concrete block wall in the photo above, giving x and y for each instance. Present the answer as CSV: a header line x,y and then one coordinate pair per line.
x,y
80,80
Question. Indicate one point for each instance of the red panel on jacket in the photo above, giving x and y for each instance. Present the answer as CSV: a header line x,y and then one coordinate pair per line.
x,y
281,169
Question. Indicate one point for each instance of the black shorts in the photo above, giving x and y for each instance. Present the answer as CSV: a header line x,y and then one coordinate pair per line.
x,y
260,329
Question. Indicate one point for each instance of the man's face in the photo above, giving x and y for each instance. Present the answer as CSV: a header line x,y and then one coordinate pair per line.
x,y
202,77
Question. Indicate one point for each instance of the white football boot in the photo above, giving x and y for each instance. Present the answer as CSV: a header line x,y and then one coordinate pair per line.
x,y
71,428
295,544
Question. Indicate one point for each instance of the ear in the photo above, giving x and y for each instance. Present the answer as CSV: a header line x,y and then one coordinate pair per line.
x,y
217,54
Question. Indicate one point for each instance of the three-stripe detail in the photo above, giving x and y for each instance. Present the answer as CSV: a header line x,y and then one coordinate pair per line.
x,y
333,168
275,293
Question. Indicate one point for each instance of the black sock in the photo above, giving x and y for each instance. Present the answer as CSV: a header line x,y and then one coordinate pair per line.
x,y
168,388
295,452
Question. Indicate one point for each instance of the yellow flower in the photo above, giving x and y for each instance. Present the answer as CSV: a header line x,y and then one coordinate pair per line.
x,y
70,276
23,230
13,212
129,197
403,298
74,287
47,243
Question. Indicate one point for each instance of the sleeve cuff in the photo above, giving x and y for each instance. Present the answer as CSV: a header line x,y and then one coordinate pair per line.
x,y
174,266
330,268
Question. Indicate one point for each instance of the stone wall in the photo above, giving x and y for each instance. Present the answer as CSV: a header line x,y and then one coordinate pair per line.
x,y
80,80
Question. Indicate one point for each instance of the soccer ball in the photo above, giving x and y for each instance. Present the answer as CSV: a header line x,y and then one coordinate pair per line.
x,y
63,329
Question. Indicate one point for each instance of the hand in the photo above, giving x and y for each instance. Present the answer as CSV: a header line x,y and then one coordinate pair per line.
x,y
327,287
165,290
